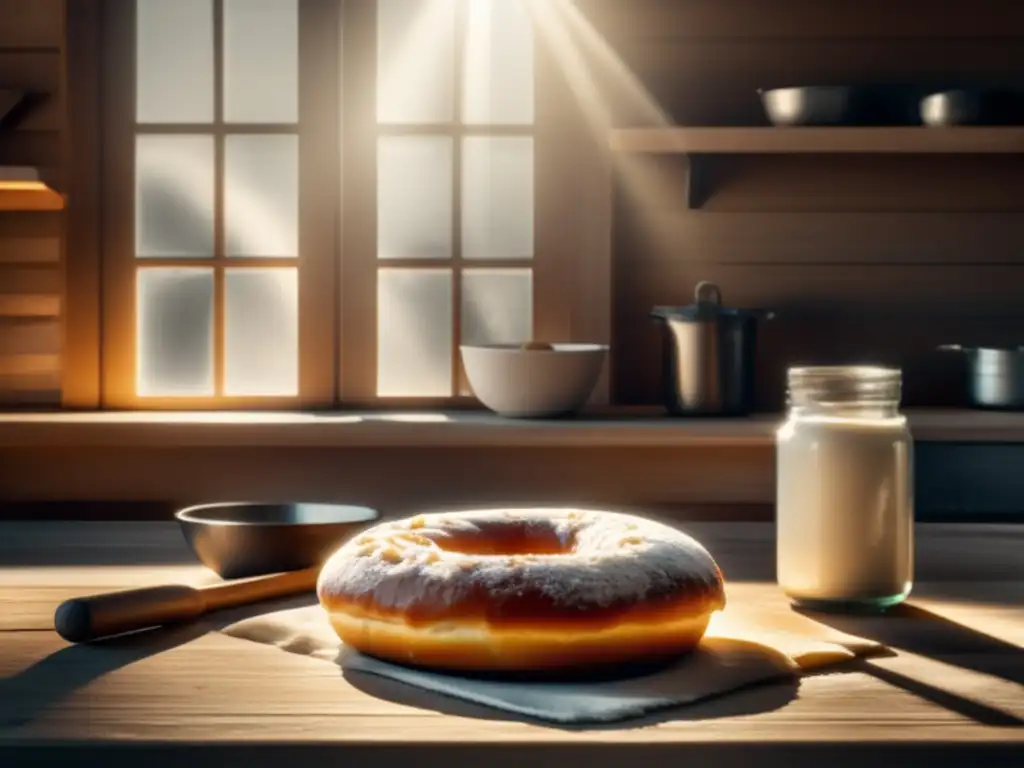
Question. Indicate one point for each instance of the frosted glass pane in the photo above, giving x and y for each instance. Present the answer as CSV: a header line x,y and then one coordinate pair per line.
x,y
414,197
174,61
261,332
497,306
415,61
261,61
498,74
174,331
414,332
261,195
174,196
497,197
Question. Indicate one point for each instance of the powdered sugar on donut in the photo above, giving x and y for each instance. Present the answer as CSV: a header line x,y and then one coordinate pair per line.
x,y
614,559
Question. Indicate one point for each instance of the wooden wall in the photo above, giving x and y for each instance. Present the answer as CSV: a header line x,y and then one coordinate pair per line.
x,y
31,58
866,258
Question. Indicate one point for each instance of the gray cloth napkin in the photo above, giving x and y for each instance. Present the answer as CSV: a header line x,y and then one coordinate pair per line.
x,y
741,648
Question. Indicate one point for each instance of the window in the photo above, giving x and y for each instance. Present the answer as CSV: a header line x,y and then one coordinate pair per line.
x,y
210,267
314,202
455,187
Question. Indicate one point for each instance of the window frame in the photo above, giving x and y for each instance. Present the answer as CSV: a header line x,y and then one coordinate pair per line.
x,y
317,206
360,262
572,265
81,248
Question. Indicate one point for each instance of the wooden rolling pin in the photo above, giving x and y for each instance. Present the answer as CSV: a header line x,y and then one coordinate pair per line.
x,y
90,618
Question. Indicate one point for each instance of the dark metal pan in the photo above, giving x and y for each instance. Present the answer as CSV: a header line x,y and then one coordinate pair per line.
x,y
995,375
972,106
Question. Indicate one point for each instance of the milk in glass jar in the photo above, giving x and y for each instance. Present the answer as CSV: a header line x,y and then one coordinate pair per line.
x,y
845,511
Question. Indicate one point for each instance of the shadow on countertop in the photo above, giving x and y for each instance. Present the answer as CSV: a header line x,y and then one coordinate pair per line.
x,y
30,693
912,629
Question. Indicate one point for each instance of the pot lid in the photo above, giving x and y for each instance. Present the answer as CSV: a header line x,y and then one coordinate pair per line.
x,y
1008,348
708,306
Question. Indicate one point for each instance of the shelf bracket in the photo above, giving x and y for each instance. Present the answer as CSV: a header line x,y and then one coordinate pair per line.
x,y
698,187
8,101
15,106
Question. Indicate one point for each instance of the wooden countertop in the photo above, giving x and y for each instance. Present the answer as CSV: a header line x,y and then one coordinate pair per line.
x,y
951,694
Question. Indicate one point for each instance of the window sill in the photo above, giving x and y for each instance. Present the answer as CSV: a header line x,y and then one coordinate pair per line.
x,y
622,427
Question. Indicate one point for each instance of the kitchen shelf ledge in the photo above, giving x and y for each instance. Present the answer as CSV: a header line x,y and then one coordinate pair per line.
x,y
627,427
29,196
695,143
808,140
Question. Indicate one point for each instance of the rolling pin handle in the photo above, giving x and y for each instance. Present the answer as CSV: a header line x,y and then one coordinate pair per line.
x,y
90,618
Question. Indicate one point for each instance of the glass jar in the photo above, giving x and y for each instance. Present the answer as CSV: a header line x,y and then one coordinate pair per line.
x,y
844,490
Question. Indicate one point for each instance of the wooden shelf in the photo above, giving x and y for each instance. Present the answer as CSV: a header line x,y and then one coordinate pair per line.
x,y
901,140
29,196
697,142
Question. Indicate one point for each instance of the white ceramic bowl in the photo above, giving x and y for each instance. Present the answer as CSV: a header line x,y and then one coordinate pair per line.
x,y
533,383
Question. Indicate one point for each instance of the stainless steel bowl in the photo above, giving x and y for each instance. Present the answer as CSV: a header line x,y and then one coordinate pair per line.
x,y
239,539
810,105
958,107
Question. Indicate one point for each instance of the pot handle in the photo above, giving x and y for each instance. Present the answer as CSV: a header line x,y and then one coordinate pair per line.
x,y
707,292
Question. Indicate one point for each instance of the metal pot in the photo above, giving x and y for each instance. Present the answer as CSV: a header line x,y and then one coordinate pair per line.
x,y
995,375
708,355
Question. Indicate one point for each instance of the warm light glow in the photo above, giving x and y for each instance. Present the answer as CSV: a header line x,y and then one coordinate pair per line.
x,y
498,74
410,418
223,417
23,186
408,83
28,195
595,72
605,88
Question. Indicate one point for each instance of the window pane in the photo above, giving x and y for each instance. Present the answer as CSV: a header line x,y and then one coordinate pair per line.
x,y
415,61
414,197
261,332
498,72
414,332
497,306
174,331
497,197
261,61
174,196
174,61
261,195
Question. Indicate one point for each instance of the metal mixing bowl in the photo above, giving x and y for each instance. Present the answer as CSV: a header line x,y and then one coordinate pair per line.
x,y
239,539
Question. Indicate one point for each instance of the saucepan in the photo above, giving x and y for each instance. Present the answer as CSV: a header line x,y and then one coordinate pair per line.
x,y
995,375
262,551
708,356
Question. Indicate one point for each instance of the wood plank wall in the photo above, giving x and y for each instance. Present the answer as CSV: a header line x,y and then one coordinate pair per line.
x,y
866,259
31,51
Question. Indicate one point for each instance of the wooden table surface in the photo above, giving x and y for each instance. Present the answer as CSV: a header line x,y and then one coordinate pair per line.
x,y
952,693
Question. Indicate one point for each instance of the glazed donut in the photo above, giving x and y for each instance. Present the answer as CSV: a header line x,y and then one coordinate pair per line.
x,y
521,590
